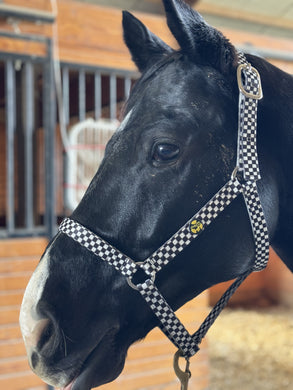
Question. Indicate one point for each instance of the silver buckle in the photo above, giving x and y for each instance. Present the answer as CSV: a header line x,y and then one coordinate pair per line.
x,y
259,94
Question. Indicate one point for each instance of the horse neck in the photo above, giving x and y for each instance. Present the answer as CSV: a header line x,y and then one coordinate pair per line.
x,y
275,132
275,117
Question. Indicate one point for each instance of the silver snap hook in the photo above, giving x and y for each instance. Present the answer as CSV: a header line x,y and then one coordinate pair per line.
x,y
185,375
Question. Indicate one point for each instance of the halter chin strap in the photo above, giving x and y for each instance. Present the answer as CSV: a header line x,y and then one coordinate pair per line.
x,y
247,167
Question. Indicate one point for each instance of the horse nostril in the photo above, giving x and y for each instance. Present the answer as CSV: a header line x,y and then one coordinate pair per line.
x,y
33,331
34,360
45,336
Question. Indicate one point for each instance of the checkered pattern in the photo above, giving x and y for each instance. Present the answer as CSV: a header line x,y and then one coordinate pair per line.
x,y
171,325
241,58
98,246
247,161
184,236
220,305
259,227
247,150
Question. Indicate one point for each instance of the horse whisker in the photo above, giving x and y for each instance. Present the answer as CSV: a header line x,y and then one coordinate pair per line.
x,y
64,341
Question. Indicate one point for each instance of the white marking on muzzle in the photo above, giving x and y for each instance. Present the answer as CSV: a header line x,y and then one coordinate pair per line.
x,y
28,317
32,326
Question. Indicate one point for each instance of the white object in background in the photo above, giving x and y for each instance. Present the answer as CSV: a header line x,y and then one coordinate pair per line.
x,y
86,148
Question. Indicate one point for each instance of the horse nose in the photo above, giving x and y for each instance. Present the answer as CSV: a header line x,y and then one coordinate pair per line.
x,y
32,322
40,332
42,343
41,338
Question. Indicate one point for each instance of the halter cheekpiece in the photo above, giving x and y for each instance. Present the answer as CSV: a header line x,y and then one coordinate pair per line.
x,y
247,166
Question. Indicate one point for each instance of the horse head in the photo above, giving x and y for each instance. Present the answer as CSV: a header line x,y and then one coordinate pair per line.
x,y
172,152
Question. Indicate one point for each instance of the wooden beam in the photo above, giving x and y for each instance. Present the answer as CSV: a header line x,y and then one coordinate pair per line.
x,y
32,48
91,34
246,16
42,5
24,13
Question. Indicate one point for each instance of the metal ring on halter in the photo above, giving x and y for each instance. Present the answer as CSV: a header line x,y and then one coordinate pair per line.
x,y
134,286
256,96
238,174
234,173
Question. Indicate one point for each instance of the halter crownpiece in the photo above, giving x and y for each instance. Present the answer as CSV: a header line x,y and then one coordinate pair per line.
x,y
247,165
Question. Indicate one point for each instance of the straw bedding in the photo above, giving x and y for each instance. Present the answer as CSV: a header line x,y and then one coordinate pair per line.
x,y
252,350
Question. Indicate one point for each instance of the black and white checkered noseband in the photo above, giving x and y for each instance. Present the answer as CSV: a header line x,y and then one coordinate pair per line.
x,y
247,164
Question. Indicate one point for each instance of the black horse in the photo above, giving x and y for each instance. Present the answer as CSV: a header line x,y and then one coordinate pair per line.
x,y
174,149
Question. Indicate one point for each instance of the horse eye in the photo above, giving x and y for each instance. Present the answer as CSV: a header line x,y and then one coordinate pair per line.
x,y
165,152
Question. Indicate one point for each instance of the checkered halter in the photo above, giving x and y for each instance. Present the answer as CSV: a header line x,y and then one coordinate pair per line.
x,y
247,167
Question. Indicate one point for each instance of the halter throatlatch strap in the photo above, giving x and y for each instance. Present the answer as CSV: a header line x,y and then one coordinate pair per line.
x,y
247,165
259,227
250,89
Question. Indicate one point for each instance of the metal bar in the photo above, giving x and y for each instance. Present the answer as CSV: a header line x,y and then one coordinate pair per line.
x,y
127,86
28,134
49,101
22,57
66,96
267,53
82,107
10,130
113,96
103,70
81,95
23,36
98,95
23,13
22,232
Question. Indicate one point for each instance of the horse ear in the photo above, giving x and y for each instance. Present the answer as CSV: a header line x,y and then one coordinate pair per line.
x,y
202,43
145,47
